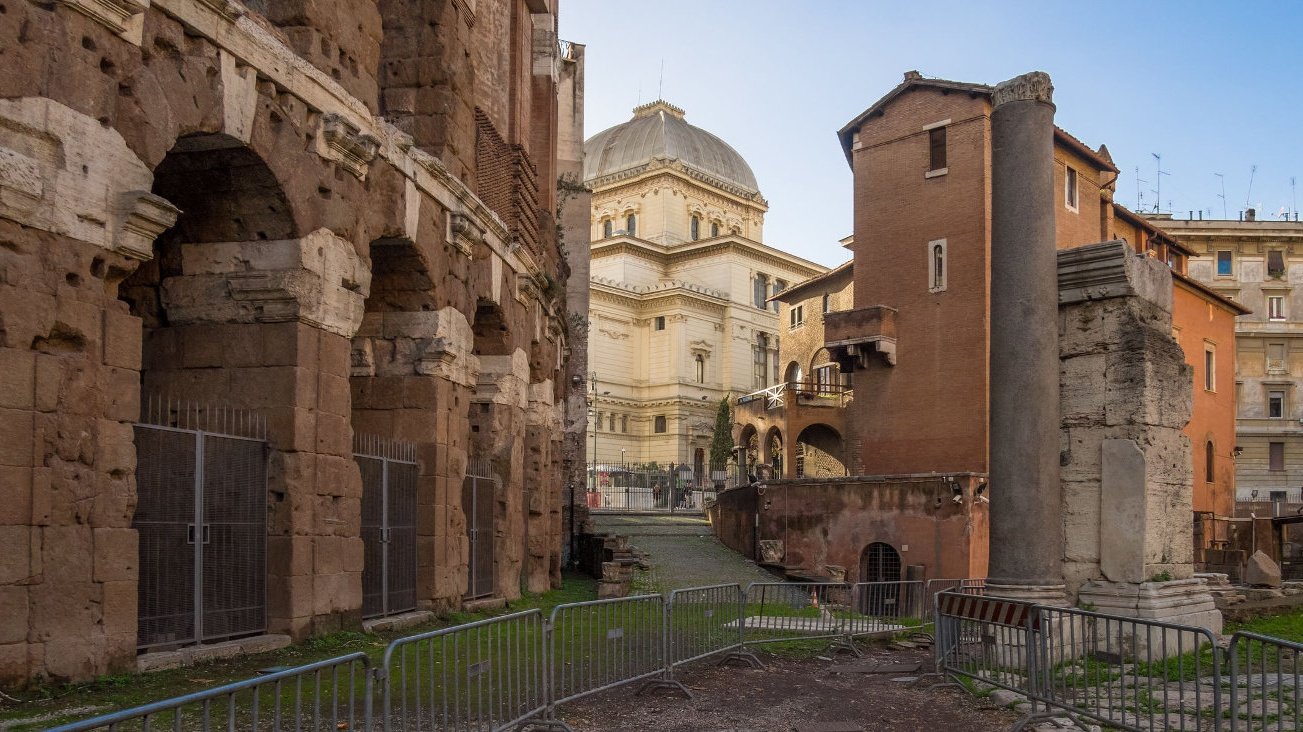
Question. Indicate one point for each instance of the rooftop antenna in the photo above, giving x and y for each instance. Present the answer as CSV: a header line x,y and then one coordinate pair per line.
x,y
1293,198
1222,178
660,85
1158,182
1140,196
1253,169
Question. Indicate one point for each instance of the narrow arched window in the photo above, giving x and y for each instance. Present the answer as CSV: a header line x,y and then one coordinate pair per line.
x,y
938,266
631,224
714,229
1208,459
606,228
694,228
701,369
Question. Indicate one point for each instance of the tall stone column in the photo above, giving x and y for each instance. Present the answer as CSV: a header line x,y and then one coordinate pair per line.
x,y
1026,525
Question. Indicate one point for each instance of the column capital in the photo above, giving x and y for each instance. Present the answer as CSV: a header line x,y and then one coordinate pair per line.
x,y
1033,86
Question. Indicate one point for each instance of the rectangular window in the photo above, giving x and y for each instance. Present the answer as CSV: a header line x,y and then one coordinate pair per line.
x,y
797,314
1224,264
760,362
1275,263
779,286
611,423
660,424
773,359
760,291
1209,368
1275,404
598,425
936,142
1277,496
827,302
1276,357
1070,190
1275,456
660,322
624,423
1276,307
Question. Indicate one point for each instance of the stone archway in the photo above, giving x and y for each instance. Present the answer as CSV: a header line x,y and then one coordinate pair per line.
x,y
242,310
773,454
880,562
819,452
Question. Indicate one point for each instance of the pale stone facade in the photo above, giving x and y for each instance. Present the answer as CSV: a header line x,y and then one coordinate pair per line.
x,y
331,229
1259,264
679,313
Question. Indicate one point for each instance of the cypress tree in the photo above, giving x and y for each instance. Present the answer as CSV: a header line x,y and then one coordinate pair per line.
x,y
721,444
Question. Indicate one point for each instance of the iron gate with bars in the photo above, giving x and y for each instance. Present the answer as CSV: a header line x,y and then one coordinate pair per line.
x,y
201,517
388,470
478,497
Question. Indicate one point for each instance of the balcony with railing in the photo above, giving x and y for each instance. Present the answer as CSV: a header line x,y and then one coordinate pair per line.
x,y
799,394
855,337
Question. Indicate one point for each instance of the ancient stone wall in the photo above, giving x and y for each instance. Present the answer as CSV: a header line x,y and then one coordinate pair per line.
x,y
198,201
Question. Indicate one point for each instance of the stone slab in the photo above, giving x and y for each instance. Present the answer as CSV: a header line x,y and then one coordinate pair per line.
x,y
401,621
875,667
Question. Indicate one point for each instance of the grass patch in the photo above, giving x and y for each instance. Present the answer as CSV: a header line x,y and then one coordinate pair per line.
x,y
122,691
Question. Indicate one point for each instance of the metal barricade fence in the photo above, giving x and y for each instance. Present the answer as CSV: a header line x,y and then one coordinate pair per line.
x,y
776,612
884,608
702,622
1128,673
1265,678
603,644
933,587
989,640
481,676
327,695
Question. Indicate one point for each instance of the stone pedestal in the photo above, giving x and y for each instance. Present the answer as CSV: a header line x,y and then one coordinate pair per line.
x,y
1181,602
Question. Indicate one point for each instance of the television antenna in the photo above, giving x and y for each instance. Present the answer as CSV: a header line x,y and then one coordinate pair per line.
x,y
1158,182
1253,170
1222,196
1140,196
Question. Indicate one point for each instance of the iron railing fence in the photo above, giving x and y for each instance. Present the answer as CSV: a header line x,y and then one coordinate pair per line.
x,y
630,487
1265,684
327,695
933,587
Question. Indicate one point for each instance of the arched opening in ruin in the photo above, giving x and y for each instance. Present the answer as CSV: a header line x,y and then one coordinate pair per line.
x,y
792,374
495,450
881,595
749,439
819,453
774,452
208,396
395,399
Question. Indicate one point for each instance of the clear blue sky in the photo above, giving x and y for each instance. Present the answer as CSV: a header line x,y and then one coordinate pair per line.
x,y
1212,87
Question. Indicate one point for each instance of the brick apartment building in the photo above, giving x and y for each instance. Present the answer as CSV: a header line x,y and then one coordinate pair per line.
x,y
918,336
275,287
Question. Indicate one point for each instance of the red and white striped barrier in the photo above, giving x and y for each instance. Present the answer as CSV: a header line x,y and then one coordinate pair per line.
x,y
986,609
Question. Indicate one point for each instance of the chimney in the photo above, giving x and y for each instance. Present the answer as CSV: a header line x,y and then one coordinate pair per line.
x,y
1251,215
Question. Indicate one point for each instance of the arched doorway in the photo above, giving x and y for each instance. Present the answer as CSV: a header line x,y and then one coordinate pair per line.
x,y
792,375
880,568
750,442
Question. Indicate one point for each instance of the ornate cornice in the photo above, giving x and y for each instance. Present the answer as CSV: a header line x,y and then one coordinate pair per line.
x,y
347,145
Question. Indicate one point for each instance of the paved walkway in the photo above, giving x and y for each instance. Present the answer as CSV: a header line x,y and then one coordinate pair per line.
x,y
683,552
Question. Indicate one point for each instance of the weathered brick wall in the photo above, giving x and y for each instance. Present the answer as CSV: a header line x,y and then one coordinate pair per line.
x,y
928,412
832,521
340,37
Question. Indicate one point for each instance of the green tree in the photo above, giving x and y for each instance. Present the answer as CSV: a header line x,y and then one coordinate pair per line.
x,y
721,445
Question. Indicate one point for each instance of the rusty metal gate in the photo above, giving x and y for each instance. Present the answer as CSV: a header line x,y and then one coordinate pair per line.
x,y
201,517
388,525
478,504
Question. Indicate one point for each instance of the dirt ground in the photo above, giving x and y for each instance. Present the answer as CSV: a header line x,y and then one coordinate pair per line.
x,y
795,695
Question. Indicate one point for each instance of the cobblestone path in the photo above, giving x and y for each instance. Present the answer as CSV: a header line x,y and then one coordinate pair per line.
x,y
682,551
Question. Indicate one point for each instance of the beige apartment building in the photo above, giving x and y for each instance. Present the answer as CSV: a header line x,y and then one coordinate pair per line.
x,y
1260,265
680,312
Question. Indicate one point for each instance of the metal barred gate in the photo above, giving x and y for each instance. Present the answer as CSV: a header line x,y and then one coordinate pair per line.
x,y
201,518
478,504
388,525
